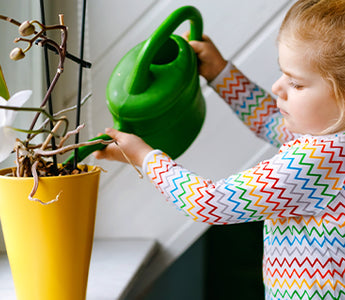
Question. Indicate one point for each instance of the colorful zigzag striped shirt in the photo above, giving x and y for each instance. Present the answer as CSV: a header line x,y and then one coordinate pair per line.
x,y
299,193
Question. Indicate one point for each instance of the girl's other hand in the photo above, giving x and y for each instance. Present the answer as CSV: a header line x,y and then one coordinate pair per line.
x,y
133,146
211,62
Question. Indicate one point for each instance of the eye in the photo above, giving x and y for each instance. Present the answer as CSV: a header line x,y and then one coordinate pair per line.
x,y
295,85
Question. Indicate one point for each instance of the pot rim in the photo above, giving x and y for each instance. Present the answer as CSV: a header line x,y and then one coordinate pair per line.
x,y
91,170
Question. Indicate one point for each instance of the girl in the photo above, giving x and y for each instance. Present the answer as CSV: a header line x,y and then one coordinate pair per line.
x,y
300,191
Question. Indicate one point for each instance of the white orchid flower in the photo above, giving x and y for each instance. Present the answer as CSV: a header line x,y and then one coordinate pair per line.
x,y
7,117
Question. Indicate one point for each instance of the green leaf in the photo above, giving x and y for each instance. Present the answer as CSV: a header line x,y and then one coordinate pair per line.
x,y
3,86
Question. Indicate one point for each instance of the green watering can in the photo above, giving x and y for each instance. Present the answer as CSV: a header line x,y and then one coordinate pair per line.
x,y
154,91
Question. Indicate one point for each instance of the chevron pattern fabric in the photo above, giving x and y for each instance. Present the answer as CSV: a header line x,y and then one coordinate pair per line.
x,y
253,105
299,193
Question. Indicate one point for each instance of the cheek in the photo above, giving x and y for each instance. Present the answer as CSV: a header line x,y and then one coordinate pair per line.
x,y
316,114
304,113
325,105
329,114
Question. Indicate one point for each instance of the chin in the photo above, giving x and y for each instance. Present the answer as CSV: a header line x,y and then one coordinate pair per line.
x,y
295,130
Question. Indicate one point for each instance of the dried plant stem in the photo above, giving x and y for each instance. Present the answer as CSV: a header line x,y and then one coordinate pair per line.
x,y
34,188
62,54
51,135
8,19
20,152
83,101
51,48
68,134
127,158
44,123
56,77
17,162
62,150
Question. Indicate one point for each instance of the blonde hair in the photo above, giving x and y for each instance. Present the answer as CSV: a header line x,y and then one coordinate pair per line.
x,y
320,26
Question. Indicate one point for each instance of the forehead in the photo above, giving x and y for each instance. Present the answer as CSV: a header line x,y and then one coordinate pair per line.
x,y
296,58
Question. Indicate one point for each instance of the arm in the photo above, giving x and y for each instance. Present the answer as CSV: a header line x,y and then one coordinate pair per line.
x,y
253,105
301,180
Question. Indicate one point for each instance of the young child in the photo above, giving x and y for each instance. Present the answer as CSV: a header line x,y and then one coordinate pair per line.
x,y
299,192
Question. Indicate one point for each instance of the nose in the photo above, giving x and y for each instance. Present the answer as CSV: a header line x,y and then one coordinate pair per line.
x,y
278,88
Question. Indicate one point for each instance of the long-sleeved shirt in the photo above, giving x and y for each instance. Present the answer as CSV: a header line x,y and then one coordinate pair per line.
x,y
299,193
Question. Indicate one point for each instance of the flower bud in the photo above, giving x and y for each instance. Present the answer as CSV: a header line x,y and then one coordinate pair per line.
x,y
26,28
17,54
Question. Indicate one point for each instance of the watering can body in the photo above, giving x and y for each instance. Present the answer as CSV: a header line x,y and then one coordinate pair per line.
x,y
154,91
169,113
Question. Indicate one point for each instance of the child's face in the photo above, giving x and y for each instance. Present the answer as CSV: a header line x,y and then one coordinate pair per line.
x,y
305,99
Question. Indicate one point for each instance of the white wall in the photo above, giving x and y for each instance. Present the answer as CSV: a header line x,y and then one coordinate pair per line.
x,y
244,31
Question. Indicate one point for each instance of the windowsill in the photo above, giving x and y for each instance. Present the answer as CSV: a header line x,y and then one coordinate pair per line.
x,y
115,265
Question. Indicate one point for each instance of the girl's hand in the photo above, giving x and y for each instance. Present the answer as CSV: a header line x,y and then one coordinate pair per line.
x,y
211,62
133,146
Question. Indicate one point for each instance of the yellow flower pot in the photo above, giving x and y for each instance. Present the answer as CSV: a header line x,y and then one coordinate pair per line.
x,y
49,246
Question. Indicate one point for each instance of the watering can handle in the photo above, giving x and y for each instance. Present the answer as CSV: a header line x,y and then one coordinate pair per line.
x,y
140,78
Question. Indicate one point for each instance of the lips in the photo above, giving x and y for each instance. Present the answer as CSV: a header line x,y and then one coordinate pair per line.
x,y
283,112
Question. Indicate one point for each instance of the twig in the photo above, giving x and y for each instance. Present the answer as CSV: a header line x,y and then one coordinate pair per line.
x,y
62,150
35,187
62,54
83,101
68,109
47,77
69,133
51,48
51,135
8,19
17,162
129,161
21,151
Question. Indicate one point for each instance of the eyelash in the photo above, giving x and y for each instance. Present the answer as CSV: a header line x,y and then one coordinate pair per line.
x,y
295,85
292,83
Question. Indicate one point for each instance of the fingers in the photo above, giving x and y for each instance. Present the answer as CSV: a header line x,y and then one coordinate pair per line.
x,y
206,38
98,154
128,147
197,46
106,153
112,132
204,47
185,35
110,152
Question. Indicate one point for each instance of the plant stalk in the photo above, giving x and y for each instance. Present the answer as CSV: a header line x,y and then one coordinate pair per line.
x,y
50,101
80,82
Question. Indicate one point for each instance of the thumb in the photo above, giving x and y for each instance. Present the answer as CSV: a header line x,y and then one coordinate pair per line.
x,y
185,35
197,46
112,132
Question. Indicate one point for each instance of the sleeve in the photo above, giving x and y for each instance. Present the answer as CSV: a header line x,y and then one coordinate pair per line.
x,y
253,105
302,179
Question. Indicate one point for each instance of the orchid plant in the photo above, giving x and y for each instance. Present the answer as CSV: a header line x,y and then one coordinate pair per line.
x,y
35,160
